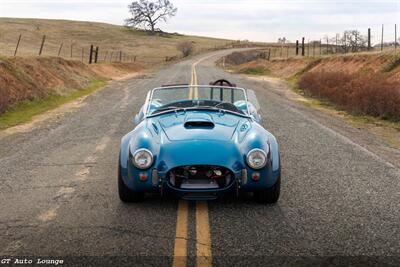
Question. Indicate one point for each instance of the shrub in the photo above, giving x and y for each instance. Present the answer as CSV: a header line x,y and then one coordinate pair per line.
x,y
186,48
367,95
394,63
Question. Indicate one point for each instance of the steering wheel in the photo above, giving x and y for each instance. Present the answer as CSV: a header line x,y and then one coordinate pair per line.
x,y
221,82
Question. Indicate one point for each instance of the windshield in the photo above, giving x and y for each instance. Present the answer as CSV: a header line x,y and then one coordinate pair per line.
x,y
230,99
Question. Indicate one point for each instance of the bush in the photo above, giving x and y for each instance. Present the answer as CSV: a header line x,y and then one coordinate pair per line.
x,y
186,48
367,95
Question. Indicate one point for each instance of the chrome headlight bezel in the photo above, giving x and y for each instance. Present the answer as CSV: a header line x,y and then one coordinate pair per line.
x,y
259,152
142,152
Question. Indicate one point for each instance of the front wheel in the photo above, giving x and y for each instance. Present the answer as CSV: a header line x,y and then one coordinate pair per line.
x,y
126,194
269,195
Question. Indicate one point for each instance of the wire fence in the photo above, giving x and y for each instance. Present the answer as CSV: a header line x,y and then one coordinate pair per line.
x,y
75,51
377,39
88,52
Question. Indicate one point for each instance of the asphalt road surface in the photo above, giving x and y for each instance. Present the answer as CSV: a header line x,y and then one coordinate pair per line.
x,y
339,205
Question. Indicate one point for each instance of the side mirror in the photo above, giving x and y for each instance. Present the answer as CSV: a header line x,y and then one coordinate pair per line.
x,y
136,120
138,117
257,117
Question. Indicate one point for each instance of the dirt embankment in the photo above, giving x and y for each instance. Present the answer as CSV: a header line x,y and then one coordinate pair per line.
x,y
366,84
31,78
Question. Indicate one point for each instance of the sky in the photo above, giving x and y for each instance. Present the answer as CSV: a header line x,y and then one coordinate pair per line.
x,y
255,20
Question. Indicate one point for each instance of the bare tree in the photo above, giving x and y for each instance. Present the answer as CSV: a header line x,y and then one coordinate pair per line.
x,y
146,14
353,41
186,48
282,40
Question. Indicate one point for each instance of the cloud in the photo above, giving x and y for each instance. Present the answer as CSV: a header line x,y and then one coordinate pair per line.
x,y
260,20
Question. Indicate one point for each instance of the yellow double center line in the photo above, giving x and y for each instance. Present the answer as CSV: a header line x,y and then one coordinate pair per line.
x,y
203,237
193,90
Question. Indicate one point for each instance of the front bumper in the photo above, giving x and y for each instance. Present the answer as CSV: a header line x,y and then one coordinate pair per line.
x,y
158,182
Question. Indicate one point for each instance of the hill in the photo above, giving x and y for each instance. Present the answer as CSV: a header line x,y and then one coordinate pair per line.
x,y
111,39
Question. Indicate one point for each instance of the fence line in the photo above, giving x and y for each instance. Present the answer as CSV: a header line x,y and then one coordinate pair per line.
x,y
92,53
350,42
86,52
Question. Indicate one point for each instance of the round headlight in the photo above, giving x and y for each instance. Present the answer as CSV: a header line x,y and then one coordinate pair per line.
x,y
256,158
142,158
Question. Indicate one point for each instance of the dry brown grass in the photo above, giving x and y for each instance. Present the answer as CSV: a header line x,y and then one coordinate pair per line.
x,y
32,78
361,94
111,38
364,84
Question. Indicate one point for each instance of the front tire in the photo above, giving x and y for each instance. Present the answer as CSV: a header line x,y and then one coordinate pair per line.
x,y
126,194
269,195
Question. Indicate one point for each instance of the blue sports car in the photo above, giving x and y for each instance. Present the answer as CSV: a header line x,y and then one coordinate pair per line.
x,y
199,142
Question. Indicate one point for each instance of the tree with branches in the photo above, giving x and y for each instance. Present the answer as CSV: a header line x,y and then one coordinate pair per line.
x,y
353,41
146,14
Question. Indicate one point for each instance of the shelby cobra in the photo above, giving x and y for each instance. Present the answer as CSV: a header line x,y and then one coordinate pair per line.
x,y
199,142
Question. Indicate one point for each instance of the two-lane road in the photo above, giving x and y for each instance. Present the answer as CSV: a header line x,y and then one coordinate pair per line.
x,y
58,191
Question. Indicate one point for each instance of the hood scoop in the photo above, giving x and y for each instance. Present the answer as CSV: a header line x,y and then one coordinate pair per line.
x,y
199,121
199,124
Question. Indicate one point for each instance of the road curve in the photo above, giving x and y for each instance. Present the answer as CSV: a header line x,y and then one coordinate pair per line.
x,y
340,201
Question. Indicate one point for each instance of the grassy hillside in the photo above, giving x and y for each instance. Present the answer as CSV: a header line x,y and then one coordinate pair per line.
x,y
110,39
30,85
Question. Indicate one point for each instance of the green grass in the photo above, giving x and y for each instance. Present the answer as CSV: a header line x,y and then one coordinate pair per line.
x,y
255,71
24,111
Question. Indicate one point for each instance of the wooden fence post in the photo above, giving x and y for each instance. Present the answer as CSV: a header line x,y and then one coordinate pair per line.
x,y
327,44
112,52
302,47
395,37
320,47
59,50
120,56
269,54
313,49
16,48
91,54
382,38
96,54
41,46
369,39
71,49
297,47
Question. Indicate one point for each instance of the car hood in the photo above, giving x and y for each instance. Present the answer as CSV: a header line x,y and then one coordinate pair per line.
x,y
200,125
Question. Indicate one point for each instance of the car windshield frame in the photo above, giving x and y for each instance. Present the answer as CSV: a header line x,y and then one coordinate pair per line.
x,y
188,87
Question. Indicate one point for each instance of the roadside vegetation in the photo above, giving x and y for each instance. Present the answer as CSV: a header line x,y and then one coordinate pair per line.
x,y
32,85
372,95
362,85
26,110
186,48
